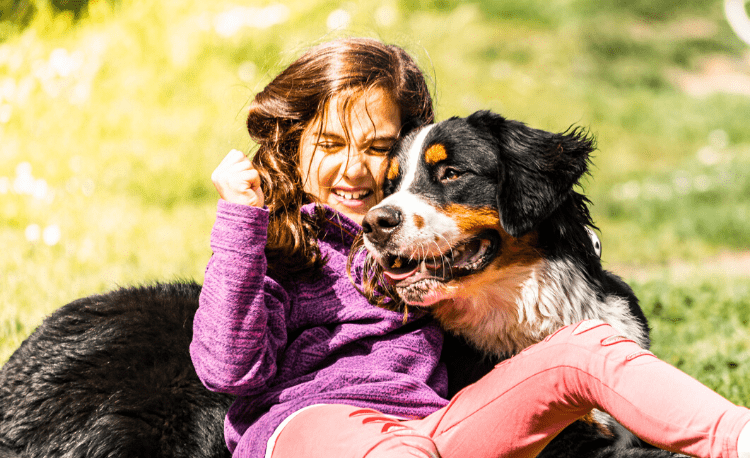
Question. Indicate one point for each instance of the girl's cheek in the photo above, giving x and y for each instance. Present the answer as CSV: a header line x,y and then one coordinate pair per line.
x,y
328,167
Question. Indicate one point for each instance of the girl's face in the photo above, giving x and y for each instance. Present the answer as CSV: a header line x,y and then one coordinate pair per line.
x,y
344,165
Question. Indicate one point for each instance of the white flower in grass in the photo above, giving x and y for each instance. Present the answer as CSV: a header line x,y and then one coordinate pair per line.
x,y
40,189
627,191
6,110
24,168
33,232
338,19
51,235
64,63
231,21
8,89
24,182
708,155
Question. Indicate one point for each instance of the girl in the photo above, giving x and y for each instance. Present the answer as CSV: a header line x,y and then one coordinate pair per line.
x,y
318,371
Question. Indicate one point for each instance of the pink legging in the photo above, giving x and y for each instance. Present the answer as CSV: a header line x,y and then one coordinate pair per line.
x,y
516,409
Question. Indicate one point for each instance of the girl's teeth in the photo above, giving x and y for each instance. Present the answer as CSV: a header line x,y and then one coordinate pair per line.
x,y
352,195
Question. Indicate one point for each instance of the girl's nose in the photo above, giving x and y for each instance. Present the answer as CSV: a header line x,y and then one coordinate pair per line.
x,y
357,163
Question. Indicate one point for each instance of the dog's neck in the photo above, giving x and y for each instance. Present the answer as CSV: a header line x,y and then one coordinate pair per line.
x,y
502,314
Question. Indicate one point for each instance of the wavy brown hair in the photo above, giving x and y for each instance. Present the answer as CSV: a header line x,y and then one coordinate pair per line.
x,y
298,96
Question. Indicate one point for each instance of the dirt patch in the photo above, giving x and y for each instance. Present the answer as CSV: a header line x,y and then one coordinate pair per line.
x,y
727,264
716,74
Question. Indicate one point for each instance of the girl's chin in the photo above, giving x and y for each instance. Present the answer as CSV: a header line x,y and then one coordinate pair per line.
x,y
355,210
356,215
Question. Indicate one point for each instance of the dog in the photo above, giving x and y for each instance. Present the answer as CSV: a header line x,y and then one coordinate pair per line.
x,y
482,225
110,375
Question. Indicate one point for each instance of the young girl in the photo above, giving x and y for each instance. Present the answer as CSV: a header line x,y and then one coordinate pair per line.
x,y
318,371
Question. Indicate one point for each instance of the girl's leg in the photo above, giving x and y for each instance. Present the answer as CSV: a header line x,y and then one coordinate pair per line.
x,y
342,431
525,401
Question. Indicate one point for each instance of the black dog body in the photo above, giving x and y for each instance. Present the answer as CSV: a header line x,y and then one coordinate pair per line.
x,y
481,224
110,376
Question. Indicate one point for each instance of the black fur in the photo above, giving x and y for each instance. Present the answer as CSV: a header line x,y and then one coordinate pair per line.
x,y
110,376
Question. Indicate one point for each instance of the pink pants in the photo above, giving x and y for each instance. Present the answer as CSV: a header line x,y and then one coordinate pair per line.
x,y
519,407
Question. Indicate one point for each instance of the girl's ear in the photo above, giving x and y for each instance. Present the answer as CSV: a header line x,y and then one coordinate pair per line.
x,y
537,169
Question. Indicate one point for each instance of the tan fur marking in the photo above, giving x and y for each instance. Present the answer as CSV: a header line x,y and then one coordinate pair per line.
x,y
393,170
435,154
418,221
603,429
472,219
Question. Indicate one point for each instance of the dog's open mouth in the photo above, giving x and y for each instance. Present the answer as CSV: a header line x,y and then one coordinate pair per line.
x,y
468,257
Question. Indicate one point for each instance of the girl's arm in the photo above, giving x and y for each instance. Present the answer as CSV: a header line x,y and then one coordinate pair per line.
x,y
240,326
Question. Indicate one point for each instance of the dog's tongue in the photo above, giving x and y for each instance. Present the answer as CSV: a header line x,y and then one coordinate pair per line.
x,y
399,268
415,270
398,276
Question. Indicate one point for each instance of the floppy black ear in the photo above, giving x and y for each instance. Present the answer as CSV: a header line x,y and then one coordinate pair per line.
x,y
537,169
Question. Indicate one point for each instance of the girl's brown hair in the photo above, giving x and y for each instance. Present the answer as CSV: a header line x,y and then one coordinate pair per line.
x,y
288,104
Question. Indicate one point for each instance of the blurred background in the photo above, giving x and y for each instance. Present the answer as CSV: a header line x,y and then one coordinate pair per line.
x,y
113,113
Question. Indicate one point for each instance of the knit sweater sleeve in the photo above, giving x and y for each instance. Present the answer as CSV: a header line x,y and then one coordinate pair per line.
x,y
240,326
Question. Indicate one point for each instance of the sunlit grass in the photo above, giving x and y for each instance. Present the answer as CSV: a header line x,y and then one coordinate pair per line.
x,y
110,128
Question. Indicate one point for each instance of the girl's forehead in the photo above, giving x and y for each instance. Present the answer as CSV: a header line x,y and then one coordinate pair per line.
x,y
371,112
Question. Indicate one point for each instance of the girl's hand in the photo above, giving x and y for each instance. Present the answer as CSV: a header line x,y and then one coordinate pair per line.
x,y
237,180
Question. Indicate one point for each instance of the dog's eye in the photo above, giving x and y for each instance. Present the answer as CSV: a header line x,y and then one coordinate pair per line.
x,y
450,174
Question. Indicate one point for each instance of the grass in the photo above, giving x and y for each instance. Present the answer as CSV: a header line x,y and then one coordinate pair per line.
x,y
110,127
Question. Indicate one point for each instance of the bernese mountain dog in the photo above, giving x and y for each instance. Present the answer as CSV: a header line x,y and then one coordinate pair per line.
x,y
481,224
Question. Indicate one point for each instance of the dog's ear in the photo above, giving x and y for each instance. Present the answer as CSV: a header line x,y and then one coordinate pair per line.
x,y
537,169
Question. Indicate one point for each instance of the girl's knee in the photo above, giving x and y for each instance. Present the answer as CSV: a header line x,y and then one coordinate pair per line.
x,y
599,337
404,443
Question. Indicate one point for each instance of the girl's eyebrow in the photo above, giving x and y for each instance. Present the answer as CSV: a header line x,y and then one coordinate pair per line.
x,y
330,135
333,136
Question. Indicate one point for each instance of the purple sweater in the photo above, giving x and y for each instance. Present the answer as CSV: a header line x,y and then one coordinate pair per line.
x,y
281,345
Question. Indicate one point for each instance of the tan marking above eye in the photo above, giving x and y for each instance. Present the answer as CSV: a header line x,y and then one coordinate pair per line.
x,y
469,219
393,170
435,154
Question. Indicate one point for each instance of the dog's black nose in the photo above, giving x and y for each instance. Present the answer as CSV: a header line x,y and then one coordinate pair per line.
x,y
380,222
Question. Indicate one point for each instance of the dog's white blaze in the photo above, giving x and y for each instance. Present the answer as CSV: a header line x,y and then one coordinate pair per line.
x,y
413,155
410,237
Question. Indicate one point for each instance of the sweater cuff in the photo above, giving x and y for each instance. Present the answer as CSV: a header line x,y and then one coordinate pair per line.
x,y
239,228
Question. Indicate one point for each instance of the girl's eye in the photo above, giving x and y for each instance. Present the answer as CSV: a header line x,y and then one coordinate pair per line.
x,y
450,174
329,146
380,150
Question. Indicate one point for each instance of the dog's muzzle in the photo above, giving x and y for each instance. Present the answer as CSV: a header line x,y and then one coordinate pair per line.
x,y
380,226
379,223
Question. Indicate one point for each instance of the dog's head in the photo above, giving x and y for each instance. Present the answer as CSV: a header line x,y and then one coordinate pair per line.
x,y
468,196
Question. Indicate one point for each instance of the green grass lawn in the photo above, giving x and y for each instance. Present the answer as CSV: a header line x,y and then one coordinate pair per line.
x,y
110,127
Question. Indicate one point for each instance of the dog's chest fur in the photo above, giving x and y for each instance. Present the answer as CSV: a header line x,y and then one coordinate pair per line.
x,y
504,313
